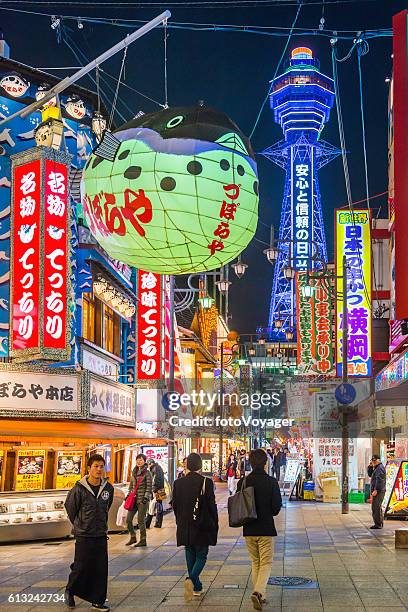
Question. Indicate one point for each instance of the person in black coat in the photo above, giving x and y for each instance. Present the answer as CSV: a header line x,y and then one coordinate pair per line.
x,y
258,533
87,505
378,475
197,521
157,484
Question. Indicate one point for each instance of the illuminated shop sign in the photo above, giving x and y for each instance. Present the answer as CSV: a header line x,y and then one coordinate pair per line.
x,y
393,375
353,241
302,183
40,256
149,326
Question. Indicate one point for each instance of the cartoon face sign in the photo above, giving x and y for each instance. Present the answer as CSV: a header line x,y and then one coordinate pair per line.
x,y
75,107
173,192
14,85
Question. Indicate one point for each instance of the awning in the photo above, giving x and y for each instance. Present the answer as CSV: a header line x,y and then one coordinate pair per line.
x,y
13,430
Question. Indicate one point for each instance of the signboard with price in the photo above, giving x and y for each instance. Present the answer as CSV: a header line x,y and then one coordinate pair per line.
x,y
30,470
68,469
327,457
396,497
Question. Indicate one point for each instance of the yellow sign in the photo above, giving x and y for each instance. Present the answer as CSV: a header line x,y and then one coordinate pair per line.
x,y
68,469
30,470
353,240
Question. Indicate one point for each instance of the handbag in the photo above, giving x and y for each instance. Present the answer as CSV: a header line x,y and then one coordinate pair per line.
x,y
161,494
131,498
241,506
202,516
121,516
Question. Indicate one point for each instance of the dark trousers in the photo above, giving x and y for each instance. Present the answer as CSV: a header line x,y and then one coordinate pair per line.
x,y
89,571
376,509
196,557
277,472
141,510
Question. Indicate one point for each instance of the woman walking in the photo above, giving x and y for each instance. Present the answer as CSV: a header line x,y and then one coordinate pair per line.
x,y
258,533
197,521
231,473
141,486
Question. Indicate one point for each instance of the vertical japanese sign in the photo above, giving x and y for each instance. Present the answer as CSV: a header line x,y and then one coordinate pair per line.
x,y
149,326
55,254
314,324
30,470
25,248
40,255
302,193
353,241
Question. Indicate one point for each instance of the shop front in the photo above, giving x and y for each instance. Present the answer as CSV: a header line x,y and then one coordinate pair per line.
x,y
52,420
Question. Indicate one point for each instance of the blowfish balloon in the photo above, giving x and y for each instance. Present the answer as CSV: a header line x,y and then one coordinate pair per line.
x,y
173,192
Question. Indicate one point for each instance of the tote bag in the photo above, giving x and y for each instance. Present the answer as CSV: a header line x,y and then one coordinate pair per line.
x,y
131,499
241,506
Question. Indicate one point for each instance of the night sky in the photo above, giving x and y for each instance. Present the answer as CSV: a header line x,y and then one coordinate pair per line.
x,y
231,71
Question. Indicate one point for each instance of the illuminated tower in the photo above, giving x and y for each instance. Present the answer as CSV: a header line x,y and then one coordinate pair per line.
x,y
301,99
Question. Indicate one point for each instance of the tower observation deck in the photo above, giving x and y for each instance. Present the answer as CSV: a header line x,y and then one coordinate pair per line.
x,y
301,99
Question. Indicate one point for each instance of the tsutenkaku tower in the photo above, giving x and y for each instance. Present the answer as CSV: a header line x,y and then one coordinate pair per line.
x,y
301,99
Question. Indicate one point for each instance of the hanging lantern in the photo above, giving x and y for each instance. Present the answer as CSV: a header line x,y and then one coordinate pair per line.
x,y
99,125
173,192
49,132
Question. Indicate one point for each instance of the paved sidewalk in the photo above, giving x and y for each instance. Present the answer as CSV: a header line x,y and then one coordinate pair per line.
x,y
351,567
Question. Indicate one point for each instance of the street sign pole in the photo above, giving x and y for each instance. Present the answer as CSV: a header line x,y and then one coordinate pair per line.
x,y
344,412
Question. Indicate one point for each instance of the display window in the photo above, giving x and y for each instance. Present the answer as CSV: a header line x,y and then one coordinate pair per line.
x,y
100,324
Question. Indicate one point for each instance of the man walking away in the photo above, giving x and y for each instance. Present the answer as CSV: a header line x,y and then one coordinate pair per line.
x,y
87,506
157,484
231,473
376,471
194,502
141,481
258,533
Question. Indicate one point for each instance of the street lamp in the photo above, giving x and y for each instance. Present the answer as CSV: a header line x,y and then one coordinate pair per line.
x,y
271,253
307,291
223,285
289,272
206,302
251,351
239,267
289,335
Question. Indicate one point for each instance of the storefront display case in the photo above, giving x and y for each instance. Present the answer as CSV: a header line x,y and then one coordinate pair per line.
x,y
395,504
33,515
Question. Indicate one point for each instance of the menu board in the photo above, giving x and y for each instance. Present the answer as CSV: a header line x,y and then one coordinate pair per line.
x,y
391,470
68,469
292,470
30,470
398,501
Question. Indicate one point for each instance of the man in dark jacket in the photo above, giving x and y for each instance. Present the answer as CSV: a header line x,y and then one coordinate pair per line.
x,y
157,484
259,532
197,521
141,480
376,471
87,506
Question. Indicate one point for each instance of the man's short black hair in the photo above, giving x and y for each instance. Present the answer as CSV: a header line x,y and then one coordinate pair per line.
x,y
142,455
257,458
375,458
194,462
93,458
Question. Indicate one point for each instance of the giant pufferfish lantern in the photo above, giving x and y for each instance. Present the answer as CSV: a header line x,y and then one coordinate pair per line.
x,y
173,192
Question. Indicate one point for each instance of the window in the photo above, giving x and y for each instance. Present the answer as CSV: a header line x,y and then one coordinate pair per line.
x,y
100,324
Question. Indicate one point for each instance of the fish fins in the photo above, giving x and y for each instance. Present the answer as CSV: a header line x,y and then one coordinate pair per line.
x,y
108,147
232,141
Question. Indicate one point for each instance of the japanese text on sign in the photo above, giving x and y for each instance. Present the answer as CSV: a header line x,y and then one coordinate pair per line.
x,y
227,214
149,326
26,256
314,324
353,241
55,254
112,402
301,186
22,391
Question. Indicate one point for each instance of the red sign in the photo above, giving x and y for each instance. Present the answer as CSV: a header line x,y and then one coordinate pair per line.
x,y
40,252
149,326
25,284
400,125
55,254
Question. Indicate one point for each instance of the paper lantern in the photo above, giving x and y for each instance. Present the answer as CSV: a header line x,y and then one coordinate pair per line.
x,y
173,192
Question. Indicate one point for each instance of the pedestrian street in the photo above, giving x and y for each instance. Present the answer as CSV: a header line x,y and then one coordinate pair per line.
x,y
349,566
